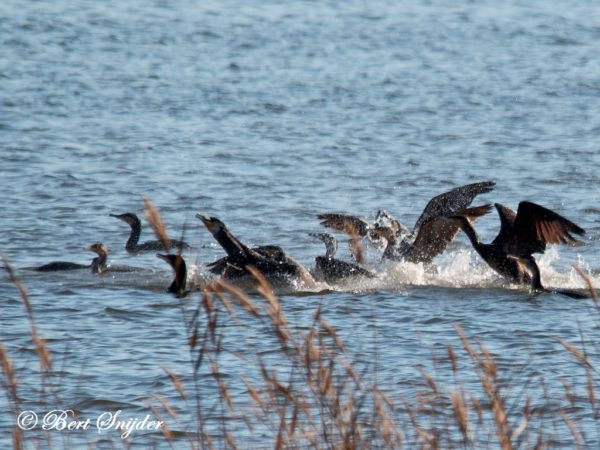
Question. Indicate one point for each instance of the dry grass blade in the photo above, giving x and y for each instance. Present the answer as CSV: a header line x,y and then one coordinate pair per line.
x,y
9,374
264,287
453,359
176,382
466,343
573,429
254,395
588,282
237,295
156,223
591,391
222,386
40,344
165,404
43,353
355,245
17,438
230,440
579,355
525,422
461,414
274,311
165,430
14,280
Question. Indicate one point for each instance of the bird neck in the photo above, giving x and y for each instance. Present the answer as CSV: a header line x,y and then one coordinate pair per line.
x,y
468,229
134,236
230,243
99,264
179,282
330,249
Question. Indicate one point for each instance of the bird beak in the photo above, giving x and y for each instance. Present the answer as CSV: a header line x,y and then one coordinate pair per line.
x,y
209,222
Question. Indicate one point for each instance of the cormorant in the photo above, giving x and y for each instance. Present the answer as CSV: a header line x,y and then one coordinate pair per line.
x,y
132,246
431,233
269,251
536,280
522,233
55,266
276,267
99,262
178,286
333,270
432,238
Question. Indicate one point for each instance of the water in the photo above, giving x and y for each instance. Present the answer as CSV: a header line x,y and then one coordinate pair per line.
x,y
266,114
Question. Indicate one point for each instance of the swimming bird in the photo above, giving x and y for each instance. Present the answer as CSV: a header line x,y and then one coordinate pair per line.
x,y
522,233
276,267
530,264
178,286
99,265
132,246
56,266
432,232
219,266
333,270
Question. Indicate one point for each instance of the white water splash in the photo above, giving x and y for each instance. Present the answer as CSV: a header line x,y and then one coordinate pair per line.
x,y
463,269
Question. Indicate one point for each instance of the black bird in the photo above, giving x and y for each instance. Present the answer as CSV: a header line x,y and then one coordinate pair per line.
x,y
56,266
333,270
99,265
219,266
178,286
276,267
431,233
536,279
522,233
132,246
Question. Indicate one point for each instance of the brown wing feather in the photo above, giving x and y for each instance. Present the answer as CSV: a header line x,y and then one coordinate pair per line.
x,y
536,226
350,225
435,234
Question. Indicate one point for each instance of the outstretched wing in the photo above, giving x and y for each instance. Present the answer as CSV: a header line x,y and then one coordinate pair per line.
x,y
447,203
355,227
350,225
507,220
435,234
535,226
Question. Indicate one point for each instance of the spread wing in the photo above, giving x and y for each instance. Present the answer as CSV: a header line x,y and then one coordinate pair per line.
x,y
355,227
350,225
507,219
535,226
435,234
458,198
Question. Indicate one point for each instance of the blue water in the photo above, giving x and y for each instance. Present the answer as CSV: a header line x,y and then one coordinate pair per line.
x,y
265,114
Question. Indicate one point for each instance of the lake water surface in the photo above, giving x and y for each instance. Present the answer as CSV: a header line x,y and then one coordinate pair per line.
x,y
265,114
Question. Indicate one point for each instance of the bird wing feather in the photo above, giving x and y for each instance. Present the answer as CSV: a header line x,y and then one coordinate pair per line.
x,y
458,198
435,234
345,223
536,226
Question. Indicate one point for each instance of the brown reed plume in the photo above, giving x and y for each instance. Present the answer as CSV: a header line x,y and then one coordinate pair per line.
x,y
156,223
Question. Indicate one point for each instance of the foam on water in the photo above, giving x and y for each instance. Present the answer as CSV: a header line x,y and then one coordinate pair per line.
x,y
462,269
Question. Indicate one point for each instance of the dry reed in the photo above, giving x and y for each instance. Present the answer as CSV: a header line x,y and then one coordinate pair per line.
x,y
323,399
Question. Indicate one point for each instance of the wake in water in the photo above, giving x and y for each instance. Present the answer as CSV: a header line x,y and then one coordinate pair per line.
x,y
461,269
457,268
